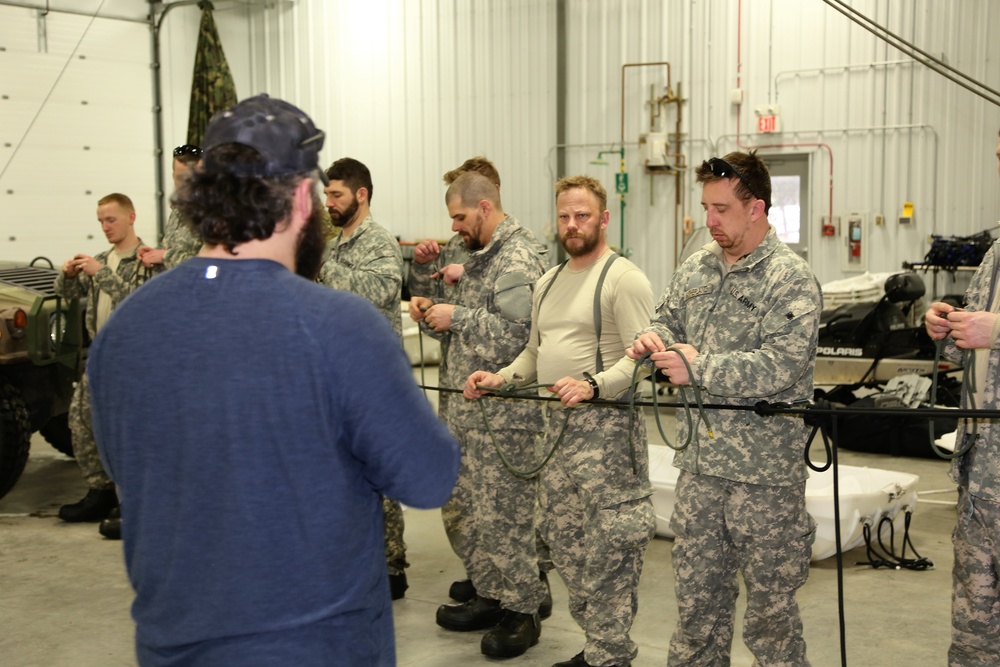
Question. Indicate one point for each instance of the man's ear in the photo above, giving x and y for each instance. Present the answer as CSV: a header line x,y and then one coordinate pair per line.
x,y
361,195
303,200
605,219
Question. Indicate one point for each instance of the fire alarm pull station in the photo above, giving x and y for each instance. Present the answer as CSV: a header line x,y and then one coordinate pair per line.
x,y
856,255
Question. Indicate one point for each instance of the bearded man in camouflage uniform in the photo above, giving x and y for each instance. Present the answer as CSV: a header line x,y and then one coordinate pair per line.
x,y
104,280
428,277
487,326
597,517
744,313
434,273
180,241
975,608
364,258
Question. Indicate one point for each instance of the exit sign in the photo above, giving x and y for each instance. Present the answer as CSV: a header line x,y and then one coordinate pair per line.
x,y
768,118
769,124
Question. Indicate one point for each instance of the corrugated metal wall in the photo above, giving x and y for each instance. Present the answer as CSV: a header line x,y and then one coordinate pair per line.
x,y
413,87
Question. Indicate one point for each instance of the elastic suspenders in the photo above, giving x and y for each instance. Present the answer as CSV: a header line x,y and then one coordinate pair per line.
x,y
598,362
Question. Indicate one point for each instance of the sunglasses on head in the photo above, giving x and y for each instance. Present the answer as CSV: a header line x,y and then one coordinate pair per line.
x,y
187,149
723,169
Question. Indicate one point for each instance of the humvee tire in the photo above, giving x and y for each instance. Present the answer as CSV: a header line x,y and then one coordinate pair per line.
x,y
15,437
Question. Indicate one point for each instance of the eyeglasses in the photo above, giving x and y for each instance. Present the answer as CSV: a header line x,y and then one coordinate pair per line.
x,y
723,169
187,149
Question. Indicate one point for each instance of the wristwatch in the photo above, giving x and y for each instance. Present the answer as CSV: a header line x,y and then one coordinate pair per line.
x,y
593,385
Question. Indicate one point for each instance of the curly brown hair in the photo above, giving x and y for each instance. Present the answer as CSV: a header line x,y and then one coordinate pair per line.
x,y
228,210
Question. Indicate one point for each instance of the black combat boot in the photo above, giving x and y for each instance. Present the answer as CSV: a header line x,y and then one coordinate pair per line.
x,y
398,585
95,506
462,591
476,614
111,527
579,661
514,635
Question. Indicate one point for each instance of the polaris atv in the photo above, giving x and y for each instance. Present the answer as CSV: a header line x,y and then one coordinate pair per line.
x,y
874,342
864,345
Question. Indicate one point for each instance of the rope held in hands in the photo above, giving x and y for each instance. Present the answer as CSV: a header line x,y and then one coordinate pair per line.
x,y
511,390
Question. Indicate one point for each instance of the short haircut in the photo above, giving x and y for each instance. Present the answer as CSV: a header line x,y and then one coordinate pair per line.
x,y
229,209
472,187
752,168
588,183
478,164
117,198
354,174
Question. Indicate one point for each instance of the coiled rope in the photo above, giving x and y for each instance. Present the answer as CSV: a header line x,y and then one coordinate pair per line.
x,y
511,390
966,393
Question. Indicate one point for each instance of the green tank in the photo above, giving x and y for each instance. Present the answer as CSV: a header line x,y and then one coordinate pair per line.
x,y
42,351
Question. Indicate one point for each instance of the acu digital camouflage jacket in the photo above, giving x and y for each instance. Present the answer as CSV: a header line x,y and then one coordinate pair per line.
x,y
755,330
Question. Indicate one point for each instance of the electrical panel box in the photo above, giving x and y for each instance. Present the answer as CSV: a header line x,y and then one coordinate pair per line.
x,y
654,150
856,242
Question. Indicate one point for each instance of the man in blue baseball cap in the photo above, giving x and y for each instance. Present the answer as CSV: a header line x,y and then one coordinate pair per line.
x,y
253,522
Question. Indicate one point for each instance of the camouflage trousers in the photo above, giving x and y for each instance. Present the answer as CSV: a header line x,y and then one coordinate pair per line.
x,y
596,527
724,527
395,547
84,445
975,605
457,517
490,516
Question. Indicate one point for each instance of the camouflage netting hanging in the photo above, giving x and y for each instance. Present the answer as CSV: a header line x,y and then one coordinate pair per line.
x,y
212,89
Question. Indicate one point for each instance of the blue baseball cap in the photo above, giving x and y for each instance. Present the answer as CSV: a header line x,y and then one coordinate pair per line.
x,y
286,138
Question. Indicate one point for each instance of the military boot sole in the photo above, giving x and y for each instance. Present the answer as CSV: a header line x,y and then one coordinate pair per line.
x,y
467,623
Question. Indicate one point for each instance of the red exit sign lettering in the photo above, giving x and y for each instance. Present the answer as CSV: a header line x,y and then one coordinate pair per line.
x,y
768,124
768,118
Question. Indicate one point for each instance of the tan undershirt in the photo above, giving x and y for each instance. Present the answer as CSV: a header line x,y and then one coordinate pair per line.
x,y
566,320
104,306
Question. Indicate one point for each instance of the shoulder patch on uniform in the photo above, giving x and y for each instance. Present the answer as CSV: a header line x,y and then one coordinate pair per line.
x,y
513,295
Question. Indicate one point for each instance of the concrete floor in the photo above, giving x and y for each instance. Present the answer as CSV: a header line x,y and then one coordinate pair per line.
x,y
64,598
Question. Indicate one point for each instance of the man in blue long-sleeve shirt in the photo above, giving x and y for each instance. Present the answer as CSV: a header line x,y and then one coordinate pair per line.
x,y
233,408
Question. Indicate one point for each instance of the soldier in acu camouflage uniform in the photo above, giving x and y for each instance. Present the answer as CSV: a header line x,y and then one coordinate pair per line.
x,y
487,326
432,275
427,278
180,241
104,280
744,311
365,259
975,609
597,517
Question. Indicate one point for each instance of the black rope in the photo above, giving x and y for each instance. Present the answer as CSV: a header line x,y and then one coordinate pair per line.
x,y
528,473
887,556
837,536
511,390
966,395
778,408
